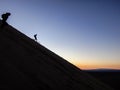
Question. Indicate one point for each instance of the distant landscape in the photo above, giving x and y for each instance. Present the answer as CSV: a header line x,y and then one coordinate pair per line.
x,y
110,77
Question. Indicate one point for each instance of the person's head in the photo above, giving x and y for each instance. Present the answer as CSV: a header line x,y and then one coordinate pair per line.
x,y
8,14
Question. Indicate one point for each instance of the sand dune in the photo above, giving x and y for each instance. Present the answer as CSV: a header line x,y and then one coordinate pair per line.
x,y
25,64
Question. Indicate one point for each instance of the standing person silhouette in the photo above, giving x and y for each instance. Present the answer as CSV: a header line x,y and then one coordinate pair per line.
x,y
4,18
35,36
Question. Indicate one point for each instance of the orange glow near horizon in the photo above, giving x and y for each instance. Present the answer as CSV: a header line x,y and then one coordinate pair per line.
x,y
95,66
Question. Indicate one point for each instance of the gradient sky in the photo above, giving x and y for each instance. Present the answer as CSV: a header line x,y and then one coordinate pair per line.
x,y
84,32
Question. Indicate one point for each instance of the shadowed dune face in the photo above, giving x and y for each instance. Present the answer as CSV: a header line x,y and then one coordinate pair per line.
x,y
25,64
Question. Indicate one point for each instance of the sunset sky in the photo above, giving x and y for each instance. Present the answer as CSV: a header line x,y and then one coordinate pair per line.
x,y
84,32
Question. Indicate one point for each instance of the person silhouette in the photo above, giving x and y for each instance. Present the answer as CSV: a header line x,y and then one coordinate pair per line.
x,y
4,18
35,36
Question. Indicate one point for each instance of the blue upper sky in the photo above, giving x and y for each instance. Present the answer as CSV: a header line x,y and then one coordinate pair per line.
x,y
86,32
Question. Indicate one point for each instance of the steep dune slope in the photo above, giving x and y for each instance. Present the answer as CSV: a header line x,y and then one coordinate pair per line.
x,y
26,64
